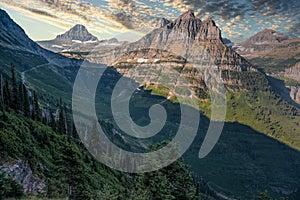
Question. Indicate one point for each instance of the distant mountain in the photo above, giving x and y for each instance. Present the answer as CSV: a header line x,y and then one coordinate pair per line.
x,y
270,50
76,40
77,33
266,36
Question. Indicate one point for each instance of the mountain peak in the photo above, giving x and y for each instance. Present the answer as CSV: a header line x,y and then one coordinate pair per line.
x,y
78,27
77,32
267,36
186,23
188,14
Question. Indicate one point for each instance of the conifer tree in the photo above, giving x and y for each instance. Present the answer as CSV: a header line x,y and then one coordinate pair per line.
x,y
6,95
26,104
74,132
21,97
15,96
61,120
36,108
52,120
1,92
74,171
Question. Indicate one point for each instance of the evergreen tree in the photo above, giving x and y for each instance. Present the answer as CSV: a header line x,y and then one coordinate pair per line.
x,y
6,95
26,104
76,176
61,120
264,196
179,176
37,114
108,193
74,132
52,120
21,98
1,93
15,97
153,185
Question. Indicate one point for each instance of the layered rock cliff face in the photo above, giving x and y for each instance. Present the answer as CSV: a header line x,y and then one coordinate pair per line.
x,y
294,73
295,93
21,172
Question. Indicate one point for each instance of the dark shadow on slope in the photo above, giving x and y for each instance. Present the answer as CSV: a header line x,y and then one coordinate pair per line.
x,y
244,161
280,88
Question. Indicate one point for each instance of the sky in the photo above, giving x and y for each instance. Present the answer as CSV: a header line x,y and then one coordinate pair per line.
x,y
131,19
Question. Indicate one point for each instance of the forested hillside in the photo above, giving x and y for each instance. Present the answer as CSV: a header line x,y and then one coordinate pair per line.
x,y
41,155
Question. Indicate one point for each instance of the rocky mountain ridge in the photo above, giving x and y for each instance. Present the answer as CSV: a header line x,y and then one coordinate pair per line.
x,y
270,50
13,37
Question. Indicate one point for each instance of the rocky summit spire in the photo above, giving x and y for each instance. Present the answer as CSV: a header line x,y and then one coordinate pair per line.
x,y
194,28
186,23
188,14
78,32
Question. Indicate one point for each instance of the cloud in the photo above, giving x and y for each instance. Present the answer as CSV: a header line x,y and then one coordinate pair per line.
x,y
235,17
250,16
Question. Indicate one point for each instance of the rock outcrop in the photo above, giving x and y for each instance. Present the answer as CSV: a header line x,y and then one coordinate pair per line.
x,y
293,72
21,172
295,93
162,22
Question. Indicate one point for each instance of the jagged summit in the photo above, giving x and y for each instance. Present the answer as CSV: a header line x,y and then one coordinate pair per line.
x,y
187,15
194,28
78,32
